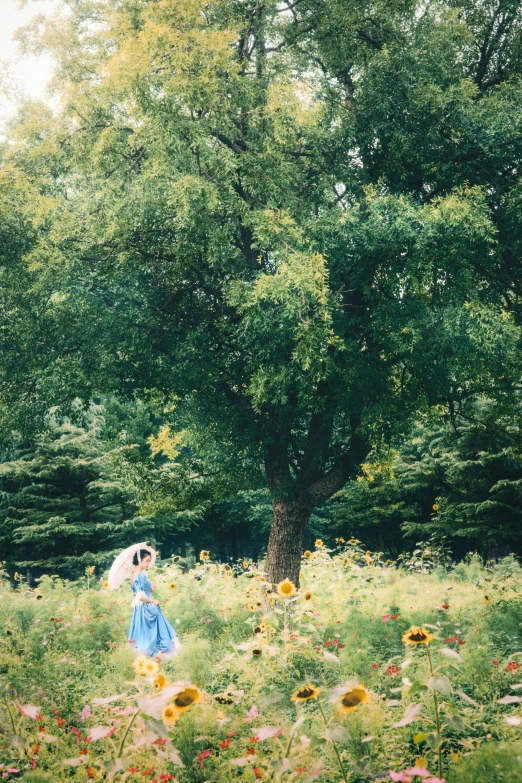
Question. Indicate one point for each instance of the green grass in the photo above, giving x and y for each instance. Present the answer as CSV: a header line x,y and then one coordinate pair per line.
x,y
61,651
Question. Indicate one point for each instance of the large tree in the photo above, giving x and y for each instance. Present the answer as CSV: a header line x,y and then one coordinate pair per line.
x,y
297,222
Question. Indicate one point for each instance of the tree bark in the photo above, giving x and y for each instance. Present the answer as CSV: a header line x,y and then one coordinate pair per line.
x,y
283,559
293,501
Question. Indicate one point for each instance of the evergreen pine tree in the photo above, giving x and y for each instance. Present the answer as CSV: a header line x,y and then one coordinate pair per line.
x,y
62,500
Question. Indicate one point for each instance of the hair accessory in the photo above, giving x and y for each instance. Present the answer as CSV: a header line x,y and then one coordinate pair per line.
x,y
139,558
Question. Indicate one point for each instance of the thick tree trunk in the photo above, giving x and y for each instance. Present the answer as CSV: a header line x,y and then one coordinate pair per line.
x,y
283,559
293,501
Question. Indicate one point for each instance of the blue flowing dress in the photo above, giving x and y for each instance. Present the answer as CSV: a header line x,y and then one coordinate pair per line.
x,y
150,632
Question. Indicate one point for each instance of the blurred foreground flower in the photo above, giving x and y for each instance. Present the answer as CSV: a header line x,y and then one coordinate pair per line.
x,y
349,696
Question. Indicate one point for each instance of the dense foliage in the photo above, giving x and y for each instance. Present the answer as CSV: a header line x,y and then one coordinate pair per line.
x,y
295,224
113,473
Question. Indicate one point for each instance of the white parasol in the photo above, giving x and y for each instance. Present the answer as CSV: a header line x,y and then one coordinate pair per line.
x,y
122,567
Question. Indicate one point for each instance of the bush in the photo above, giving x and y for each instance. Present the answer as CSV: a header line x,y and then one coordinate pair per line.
x,y
494,763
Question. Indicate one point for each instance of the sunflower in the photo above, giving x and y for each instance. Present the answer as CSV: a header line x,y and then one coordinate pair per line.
x,y
139,664
244,564
349,696
417,636
262,627
105,584
339,540
353,541
150,667
186,698
305,693
172,585
227,568
170,715
160,681
204,555
307,554
176,559
286,589
318,543
435,507
307,596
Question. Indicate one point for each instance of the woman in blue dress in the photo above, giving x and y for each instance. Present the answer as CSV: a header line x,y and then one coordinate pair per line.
x,y
150,632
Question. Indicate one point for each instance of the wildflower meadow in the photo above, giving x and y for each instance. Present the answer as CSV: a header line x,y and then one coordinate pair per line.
x,y
370,671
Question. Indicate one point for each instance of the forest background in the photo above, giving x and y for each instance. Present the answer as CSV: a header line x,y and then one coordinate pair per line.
x,y
260,278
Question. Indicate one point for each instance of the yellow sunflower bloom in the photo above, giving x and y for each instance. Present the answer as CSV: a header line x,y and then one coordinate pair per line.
x,y
172,585
160,681
170,715
139,663
305,693
353,541
186,698
307,554
105,584
286,589
307,596
318,543
244,564
435,507
417,636
349,696
150,667
204,555
339,540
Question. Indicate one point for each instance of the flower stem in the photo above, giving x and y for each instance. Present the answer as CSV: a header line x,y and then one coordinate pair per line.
x,y
10,715
285,634
336,749
120,751
437,719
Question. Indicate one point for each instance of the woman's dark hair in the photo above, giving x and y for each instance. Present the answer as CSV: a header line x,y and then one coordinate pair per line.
x,y
143,553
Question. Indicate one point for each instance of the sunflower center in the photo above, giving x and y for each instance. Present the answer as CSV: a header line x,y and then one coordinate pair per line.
x,y
419,636
184,699
305,693
352,699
